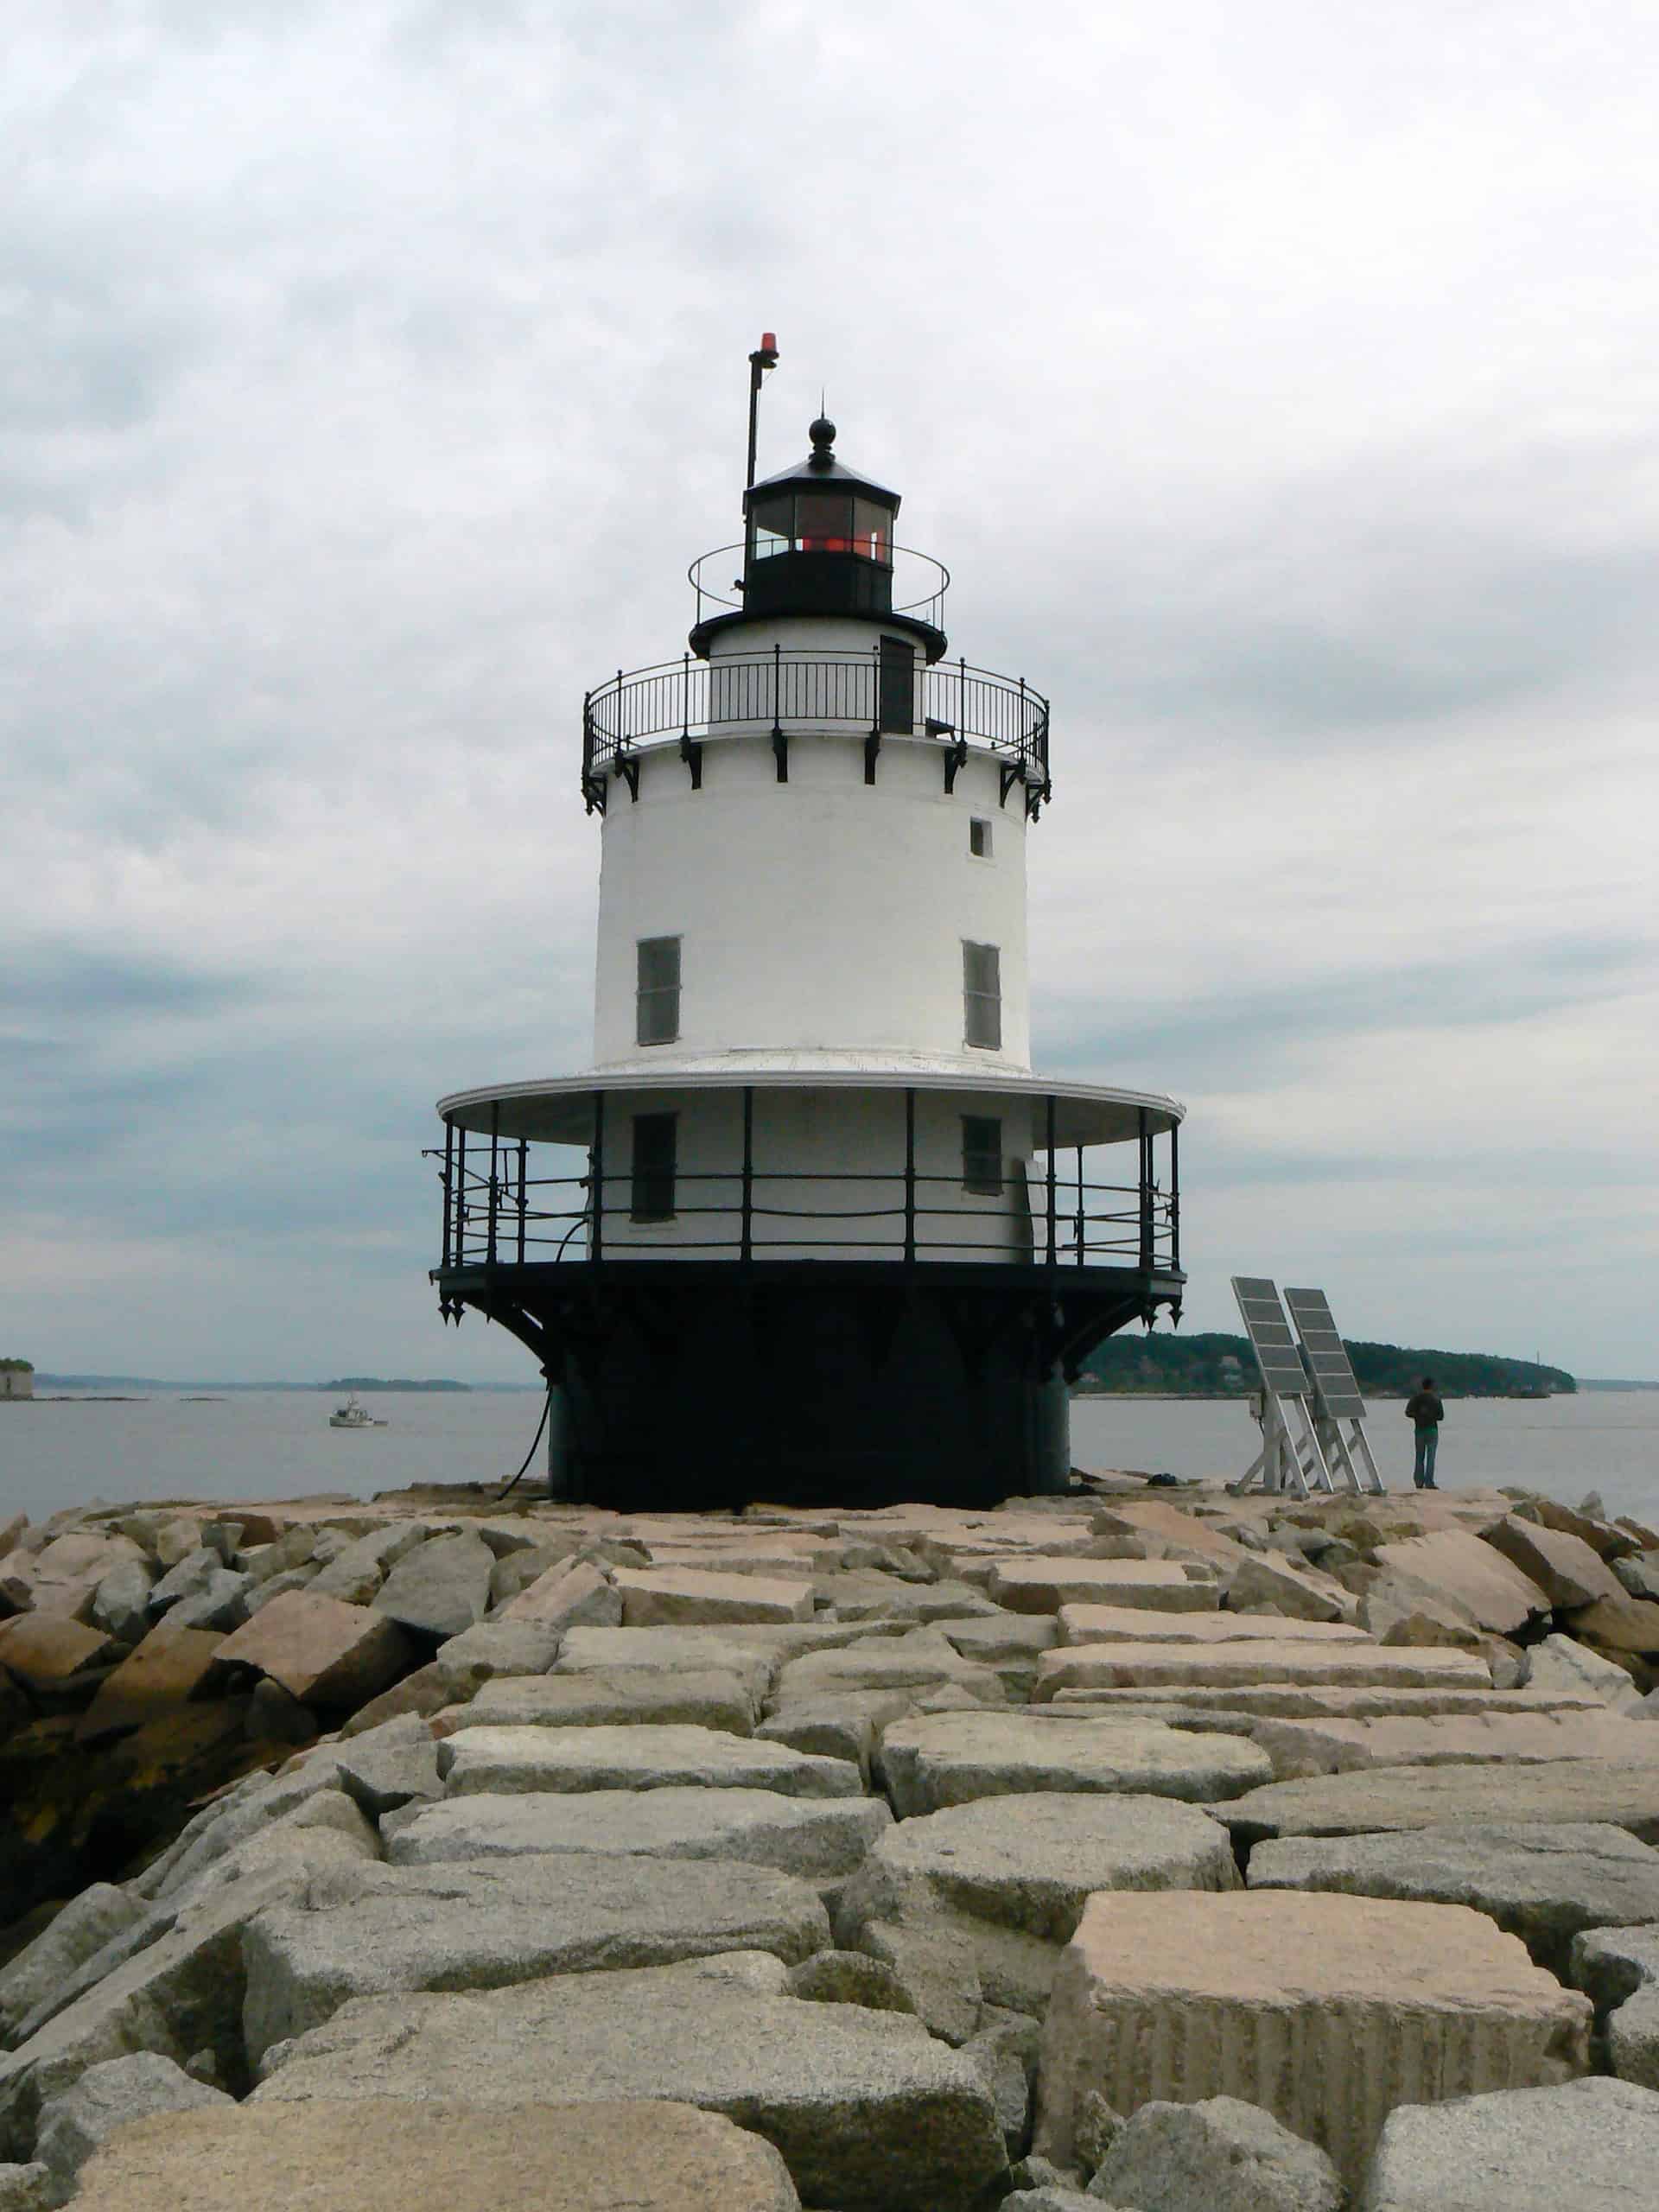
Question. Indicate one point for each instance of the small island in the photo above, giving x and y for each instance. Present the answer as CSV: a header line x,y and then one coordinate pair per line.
x,y
384,1382
1216,1365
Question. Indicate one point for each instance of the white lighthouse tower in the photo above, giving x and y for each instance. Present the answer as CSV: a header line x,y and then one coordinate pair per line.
x,y
832,1238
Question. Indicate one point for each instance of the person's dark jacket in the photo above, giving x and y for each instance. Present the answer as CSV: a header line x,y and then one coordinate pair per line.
x,y
1425,1408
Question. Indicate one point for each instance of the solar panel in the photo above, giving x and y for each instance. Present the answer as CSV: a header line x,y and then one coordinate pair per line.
x,y
1328,1355
1275,1349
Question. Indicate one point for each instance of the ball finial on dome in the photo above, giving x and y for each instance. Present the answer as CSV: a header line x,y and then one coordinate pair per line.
x,y
822,433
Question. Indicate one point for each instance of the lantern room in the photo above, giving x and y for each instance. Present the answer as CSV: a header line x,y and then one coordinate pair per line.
x,y
818,538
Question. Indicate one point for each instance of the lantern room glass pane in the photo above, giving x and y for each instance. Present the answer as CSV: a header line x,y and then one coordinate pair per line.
x,y
772,520
823,522
872,532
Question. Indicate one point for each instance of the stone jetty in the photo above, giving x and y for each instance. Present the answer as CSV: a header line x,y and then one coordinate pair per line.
x,y
1144,1846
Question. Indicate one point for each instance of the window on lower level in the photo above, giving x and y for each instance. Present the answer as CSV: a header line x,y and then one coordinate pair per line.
x,y
981,993
657,997
653,1167
979,838
982,1156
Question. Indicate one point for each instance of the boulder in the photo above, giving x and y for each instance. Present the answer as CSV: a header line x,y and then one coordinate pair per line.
x,y
668,1597
1543,1883
1303,1747
178,1994
570,1594
1001,1882
1031,1862
1624,1793
1219,2155
1619,1968
645,2156
62,1577
97,1916
1330,2011
424,1694
848,1978
612,1652
647,1756
46,1652
870,2113
1609,1541
883,1596
923,1661
1225,1666
819,1838
1621,1623
494,1648
76,2121
441,1587
172,1665
1040,1584
701,1698
1125,1624
952,1758
481,1924
356,1573
322,1651
1262,1580
1578,2148
32,2188
121,1601
1565,1567
845,1727
1451,1564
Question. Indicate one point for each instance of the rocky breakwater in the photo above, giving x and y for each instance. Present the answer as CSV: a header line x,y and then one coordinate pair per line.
x,y
1172,1851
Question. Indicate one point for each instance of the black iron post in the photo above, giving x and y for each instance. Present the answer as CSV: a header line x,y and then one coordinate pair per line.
x,y
495,1180
746,1249
910,1178
1082,1224
448,1191
1144,1148
524,1193
597,1168
461,1199
1175,1197
1053,1222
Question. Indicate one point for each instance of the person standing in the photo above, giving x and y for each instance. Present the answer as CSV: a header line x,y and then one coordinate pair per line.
x,y
1424,1410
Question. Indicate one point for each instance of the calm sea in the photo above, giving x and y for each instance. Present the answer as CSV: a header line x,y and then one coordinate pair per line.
x,y
278,1443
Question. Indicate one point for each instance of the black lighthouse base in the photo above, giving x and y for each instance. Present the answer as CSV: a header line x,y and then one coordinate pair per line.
x,y
698,1386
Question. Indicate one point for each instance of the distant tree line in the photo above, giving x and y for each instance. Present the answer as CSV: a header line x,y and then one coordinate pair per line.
x,y
17,1366
1215,1365
387,1382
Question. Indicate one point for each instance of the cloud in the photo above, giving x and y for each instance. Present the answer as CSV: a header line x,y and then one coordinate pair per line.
x,y
1279,390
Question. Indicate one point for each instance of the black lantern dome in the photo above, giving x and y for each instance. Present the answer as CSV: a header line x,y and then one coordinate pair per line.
x,y
818,539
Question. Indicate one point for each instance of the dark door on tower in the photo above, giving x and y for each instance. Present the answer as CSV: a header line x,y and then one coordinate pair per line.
x,y
896,687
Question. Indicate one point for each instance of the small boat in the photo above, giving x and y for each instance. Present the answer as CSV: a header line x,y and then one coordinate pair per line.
x,y
352,1415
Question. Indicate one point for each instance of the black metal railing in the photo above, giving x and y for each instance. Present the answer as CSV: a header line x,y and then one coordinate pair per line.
x,y
920,581
954,705
497,1213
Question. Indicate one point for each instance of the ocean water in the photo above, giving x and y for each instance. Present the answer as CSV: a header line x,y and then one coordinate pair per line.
x,y
278,1443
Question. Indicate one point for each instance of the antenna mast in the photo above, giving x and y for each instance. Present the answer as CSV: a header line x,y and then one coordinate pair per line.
x,y
764,357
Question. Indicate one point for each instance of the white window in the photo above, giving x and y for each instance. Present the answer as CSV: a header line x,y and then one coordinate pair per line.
x,y
981,993
657,998
979,838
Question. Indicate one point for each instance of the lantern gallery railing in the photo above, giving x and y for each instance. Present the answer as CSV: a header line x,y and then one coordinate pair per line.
x,y
876,693
497,1213
919,582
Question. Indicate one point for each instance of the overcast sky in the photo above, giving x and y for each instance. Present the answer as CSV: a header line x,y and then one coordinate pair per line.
x,y
1278,382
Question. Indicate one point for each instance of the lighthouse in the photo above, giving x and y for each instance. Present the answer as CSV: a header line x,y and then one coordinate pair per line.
x,y
809,1228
